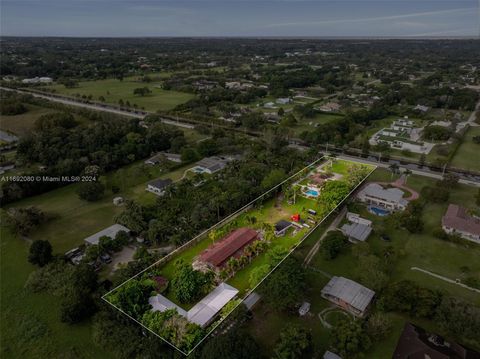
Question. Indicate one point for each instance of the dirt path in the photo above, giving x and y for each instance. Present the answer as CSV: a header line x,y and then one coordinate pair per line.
x,y
332,226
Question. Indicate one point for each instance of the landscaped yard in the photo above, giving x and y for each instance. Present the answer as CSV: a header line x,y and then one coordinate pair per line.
x,y
113,90
260,216
466,156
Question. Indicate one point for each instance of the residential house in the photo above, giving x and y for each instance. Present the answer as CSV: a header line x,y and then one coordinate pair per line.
x,y
421,108
415,342
390,198
349,295
202,313
158,186
330,107
210,165
162,156
220,252
356,232
110,232
457,221
283,100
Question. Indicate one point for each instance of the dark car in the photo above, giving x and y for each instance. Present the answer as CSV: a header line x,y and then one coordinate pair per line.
x,y
105,258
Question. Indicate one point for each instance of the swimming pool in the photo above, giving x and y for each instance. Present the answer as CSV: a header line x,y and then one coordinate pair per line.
x,y
378,211
312,193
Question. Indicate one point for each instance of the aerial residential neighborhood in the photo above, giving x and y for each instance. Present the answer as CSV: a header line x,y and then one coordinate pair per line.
x,y
240,179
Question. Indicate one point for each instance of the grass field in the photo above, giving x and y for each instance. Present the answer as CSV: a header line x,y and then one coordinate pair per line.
x,y
22,124
113,90
30,323
466,155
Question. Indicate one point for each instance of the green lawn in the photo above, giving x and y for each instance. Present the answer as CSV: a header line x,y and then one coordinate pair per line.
x,y
113,90
466,155
421,250
30,323
22,124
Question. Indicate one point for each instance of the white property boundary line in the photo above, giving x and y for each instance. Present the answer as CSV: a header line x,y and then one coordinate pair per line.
x,y
222,222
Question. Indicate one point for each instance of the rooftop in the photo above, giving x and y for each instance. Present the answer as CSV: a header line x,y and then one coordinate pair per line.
x,y
213,164
392,195
202,312
160,183
457,217
415,342
357,231
353,293
108,232
219,252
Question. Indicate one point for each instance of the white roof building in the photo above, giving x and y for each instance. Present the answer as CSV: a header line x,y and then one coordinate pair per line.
x,y
108,232
390,198
204,311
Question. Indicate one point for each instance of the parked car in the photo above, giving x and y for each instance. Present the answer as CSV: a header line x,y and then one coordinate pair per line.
x,y
105,258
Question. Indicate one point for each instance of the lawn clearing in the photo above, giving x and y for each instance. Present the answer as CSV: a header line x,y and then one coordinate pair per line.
x,y
114,90
466,156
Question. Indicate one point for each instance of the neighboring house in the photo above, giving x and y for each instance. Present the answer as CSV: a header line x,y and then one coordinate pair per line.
x,y
349,295
204,311
330,355
402,135
158,186
330,107
108,232
210,165
421,108
281,227
356,232
283,100
355,218
220,252
457,221
162,156
35,80
390,198
415,342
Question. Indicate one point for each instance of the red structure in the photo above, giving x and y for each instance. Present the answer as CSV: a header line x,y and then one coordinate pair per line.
x,y
295,218
217,254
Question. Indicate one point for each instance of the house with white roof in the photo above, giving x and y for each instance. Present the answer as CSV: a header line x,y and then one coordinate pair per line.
x,y
390,198
202,313
110,232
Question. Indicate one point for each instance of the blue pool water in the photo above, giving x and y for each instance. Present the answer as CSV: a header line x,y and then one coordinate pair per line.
x,y
312,192
378,211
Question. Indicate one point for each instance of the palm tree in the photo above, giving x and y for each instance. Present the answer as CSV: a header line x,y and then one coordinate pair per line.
x,y
393,168
407,173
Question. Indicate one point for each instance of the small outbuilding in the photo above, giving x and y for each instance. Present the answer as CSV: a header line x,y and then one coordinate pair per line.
x,y
118,201
281,227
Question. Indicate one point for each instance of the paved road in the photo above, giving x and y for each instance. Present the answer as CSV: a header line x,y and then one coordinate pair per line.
x,y
97,107
423,171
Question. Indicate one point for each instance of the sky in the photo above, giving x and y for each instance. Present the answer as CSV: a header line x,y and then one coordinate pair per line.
x,y
277,18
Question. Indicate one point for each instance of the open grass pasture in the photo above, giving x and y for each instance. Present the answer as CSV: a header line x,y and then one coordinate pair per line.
x,y
466,156
113,90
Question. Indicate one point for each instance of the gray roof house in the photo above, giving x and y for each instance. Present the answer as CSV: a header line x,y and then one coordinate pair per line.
x,y
158,186
204,311
356,231
348,295
210,165
109,232
162,156
390,198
